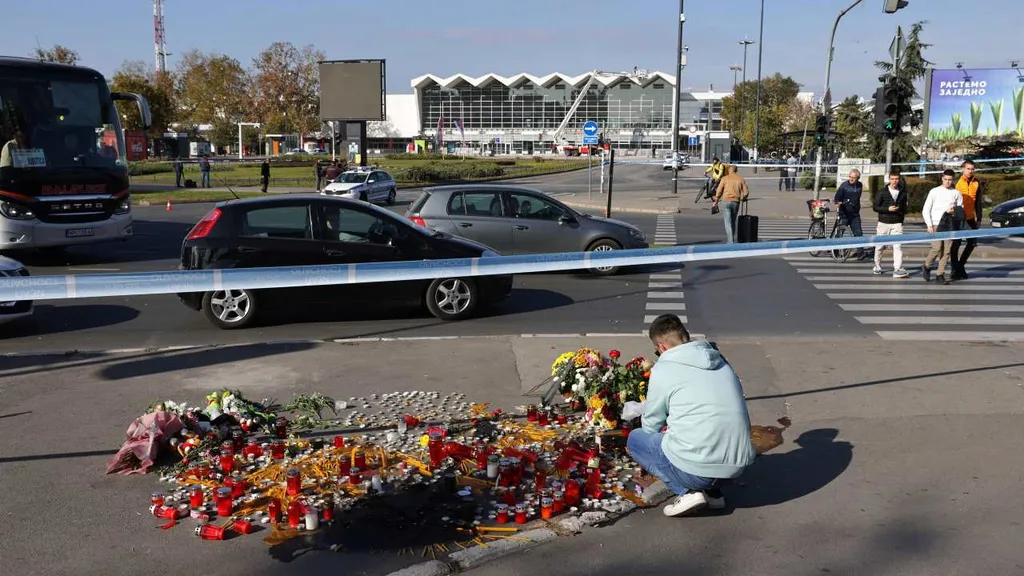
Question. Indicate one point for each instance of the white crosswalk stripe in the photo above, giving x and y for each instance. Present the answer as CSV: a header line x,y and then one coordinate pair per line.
x,y
665,289
988,307
797,228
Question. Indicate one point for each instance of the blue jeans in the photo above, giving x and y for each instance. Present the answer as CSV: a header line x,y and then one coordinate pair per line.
x,y
645,448
729,212
205,180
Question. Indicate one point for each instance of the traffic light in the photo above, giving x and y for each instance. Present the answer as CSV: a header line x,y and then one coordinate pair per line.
x,y
887,108
891,6
820,129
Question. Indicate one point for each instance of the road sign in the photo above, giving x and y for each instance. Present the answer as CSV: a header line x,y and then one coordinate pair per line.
x,y
590,128
693,140
590,139
897,47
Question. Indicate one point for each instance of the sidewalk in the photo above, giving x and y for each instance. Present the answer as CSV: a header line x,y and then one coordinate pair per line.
x,y
890,442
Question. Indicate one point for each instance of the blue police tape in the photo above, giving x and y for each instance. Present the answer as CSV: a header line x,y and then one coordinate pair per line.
x,y
140,283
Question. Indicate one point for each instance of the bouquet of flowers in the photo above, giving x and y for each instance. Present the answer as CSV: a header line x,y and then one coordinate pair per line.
x,y
601,384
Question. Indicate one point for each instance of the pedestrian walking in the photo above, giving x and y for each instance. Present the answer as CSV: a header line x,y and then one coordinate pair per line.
x,y
891,205
791,172
847,201
943,212
332,171
204,171
732,189
695,429
179,172
265,174
970,188
319,168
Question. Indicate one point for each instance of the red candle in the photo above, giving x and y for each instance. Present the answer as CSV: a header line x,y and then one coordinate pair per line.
x,y
542,418
237,485
210,532
572,492
345,464
195,496
224,503
510,497
359,460
502,516
559,502
328,510
339,441
242,527
274,510
540,479
561,419
531,413
203,470
157,499
520,513
594,483
355,476
253,448
166,512
294,514
227,462
436,449
277,450
294,482
481,455
236,439
411,421
227,447
281,427
546,508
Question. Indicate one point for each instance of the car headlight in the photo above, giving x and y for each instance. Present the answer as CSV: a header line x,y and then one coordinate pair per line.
x,y
635,233
124,207
15,212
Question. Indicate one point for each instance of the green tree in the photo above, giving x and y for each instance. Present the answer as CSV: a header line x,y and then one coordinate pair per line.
x,y
913,68
854,124
286,91
780,110
213,89
59,54
157,89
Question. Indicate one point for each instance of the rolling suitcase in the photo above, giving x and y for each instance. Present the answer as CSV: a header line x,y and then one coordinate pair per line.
x,y
746,225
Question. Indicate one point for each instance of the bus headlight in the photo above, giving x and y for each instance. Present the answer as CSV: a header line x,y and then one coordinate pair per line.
x,y
15,212
124,207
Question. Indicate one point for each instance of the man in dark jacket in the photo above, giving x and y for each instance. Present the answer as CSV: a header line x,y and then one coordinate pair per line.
x,y
265,174
179,172
891,205
847,203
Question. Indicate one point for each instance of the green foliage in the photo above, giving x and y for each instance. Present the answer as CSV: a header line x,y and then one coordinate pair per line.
x,y
409,156
828,181
445,171
59,54
157,89
779,108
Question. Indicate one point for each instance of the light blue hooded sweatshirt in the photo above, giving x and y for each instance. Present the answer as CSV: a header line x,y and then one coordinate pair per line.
x,y
695,391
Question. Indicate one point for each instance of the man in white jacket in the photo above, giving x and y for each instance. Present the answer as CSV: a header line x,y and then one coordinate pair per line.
x,y
941,215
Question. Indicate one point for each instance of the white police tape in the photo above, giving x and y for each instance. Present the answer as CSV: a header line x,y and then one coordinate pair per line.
x,y
140,283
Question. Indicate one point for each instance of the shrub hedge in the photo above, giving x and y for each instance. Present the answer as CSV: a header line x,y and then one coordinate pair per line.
x,y
446,171
807,180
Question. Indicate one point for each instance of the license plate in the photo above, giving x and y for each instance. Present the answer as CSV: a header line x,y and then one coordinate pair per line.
x,y
80,232
997,224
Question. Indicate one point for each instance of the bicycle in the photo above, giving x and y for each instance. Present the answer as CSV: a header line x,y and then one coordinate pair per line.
x,y
707,190
840,229
819,221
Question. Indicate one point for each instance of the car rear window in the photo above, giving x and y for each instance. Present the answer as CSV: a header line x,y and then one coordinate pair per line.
x,y
475,204
420,202
278,222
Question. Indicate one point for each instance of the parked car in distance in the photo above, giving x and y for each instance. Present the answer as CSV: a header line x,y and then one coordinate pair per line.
x,y
518,220
301,230
674,162
368,185
1009,214
11,311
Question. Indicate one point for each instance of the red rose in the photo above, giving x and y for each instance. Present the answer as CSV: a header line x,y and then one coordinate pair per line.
x,y
614,354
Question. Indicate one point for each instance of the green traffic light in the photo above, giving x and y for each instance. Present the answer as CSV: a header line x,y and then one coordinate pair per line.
x,y
890,125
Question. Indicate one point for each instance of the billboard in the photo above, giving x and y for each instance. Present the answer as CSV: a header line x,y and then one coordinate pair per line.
x,y
977,102
352,90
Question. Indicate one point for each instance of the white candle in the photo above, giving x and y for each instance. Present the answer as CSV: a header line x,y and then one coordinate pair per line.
x,y
312,518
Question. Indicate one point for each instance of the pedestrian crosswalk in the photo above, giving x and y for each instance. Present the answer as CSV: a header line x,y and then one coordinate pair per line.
x,y
797,228
989,306
665,288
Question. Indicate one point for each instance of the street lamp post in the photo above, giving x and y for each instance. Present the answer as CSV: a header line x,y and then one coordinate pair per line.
x,y
735,69
745,43
757,104
675,101
826,97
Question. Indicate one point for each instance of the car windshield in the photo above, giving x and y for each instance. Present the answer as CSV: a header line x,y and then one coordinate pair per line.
x,y
57,123
352,178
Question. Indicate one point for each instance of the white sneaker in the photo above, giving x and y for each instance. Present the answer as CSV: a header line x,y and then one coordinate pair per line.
x,y
685,504
901,273
715,503
877,270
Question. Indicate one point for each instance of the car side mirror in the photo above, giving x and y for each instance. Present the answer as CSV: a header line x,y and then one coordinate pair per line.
x,y
566,219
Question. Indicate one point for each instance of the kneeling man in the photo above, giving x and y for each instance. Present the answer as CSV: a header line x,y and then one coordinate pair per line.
x,y
695,392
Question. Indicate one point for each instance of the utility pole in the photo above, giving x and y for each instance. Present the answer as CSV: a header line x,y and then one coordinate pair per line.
x,y
757,104
742,101
680,62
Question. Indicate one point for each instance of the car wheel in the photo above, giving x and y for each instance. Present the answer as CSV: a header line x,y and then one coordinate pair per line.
x,y
604,246
230,309
391,197
452,298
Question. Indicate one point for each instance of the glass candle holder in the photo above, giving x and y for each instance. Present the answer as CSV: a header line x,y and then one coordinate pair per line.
x,y
502,515
293,482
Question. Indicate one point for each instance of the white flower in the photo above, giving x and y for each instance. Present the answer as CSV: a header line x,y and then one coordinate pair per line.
x,y
576,387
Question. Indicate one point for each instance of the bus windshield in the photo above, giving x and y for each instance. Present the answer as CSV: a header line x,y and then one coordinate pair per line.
x,y
57,123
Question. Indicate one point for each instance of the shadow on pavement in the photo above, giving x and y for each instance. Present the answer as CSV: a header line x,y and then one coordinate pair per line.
x,y
173,362
58,456
775,478
50,319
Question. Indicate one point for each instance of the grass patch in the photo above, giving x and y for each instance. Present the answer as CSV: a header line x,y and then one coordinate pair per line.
x,y
188,196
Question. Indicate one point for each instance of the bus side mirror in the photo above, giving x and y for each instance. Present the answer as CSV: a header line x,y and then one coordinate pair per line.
x,y
143,105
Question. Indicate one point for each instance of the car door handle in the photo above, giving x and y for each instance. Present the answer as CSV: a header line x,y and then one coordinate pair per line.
x,y
246,249
334,252
465,225
521,227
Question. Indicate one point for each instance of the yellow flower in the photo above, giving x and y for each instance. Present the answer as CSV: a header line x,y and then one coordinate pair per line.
x,y
581,356
596,404
562,359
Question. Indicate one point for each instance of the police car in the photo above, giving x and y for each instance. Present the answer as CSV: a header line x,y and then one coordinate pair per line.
x,y
366,183
10,311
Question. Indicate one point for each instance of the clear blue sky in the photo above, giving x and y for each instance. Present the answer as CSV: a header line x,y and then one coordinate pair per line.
x,y
536,36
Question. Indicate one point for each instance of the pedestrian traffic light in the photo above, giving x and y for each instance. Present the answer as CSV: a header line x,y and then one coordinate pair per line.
x,y
820,129
887,108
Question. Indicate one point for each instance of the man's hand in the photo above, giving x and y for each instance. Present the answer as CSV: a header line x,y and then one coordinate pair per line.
x,y
893,208
931,229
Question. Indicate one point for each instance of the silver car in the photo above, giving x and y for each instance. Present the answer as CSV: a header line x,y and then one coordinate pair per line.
x,y
366,184
517,220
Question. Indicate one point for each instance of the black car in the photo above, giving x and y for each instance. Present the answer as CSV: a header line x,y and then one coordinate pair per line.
x,y
301,230
1009,214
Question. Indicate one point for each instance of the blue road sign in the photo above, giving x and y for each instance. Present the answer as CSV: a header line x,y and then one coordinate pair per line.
x,y
590,128
694,141
590,139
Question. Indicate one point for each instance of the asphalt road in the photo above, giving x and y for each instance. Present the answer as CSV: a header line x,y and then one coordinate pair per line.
x,y
755,297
